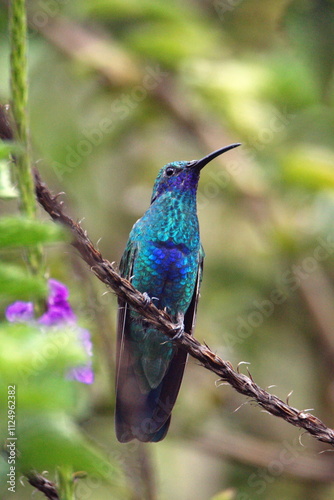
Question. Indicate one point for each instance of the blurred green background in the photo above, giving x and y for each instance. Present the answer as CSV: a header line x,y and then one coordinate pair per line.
x,y
118,88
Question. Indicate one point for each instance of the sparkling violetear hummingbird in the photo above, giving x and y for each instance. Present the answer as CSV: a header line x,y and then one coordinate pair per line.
x,y
164,259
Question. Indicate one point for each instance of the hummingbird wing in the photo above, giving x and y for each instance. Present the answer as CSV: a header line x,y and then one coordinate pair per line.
x,y
146,415
125,376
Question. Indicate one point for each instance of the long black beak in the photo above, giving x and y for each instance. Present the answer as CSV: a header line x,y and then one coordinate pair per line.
x,y
199,164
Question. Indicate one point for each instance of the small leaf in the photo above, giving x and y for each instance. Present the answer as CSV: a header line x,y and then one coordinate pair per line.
x,y
17,284
5,149
50,439
29,354
20,231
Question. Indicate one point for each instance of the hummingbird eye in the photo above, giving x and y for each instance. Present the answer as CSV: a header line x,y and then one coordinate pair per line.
x,y
170,171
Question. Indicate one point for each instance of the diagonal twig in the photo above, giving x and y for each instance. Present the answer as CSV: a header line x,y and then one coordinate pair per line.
x,y
44,485
105,271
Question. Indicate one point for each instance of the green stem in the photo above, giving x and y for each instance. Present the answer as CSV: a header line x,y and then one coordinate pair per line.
x,y
65,483
22,166
19,91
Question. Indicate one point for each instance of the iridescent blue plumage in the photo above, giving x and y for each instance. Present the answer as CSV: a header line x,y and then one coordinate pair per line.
x,y
163,258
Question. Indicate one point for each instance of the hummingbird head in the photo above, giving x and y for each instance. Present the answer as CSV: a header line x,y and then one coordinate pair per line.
x,y
183,175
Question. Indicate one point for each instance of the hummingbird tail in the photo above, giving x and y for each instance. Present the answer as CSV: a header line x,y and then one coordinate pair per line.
x,y
139,415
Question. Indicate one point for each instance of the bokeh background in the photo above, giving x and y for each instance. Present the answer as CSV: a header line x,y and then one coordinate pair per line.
x,y
118,89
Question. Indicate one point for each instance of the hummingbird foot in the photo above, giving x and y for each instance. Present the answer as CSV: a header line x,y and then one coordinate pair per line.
x,y
179,328
147,299
179,331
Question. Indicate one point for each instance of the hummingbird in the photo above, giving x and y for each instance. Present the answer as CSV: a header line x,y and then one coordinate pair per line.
x,y
163,259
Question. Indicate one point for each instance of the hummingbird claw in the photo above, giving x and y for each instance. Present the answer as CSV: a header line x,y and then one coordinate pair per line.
x,y
179,331
147,299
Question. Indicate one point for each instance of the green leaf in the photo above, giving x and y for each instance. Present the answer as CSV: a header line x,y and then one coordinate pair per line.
x,y
20,231
48,440
35,362
28,352
5,149
18,284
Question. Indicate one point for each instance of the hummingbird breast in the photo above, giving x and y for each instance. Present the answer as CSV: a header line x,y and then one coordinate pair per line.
x,y
168,245
166,272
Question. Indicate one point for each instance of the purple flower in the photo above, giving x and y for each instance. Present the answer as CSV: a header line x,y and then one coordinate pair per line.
x,y
58,308
20,312
57,315
58,312
82,374
58,293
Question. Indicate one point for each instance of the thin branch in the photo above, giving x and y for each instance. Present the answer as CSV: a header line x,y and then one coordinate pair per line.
x,y
105,271
43,485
